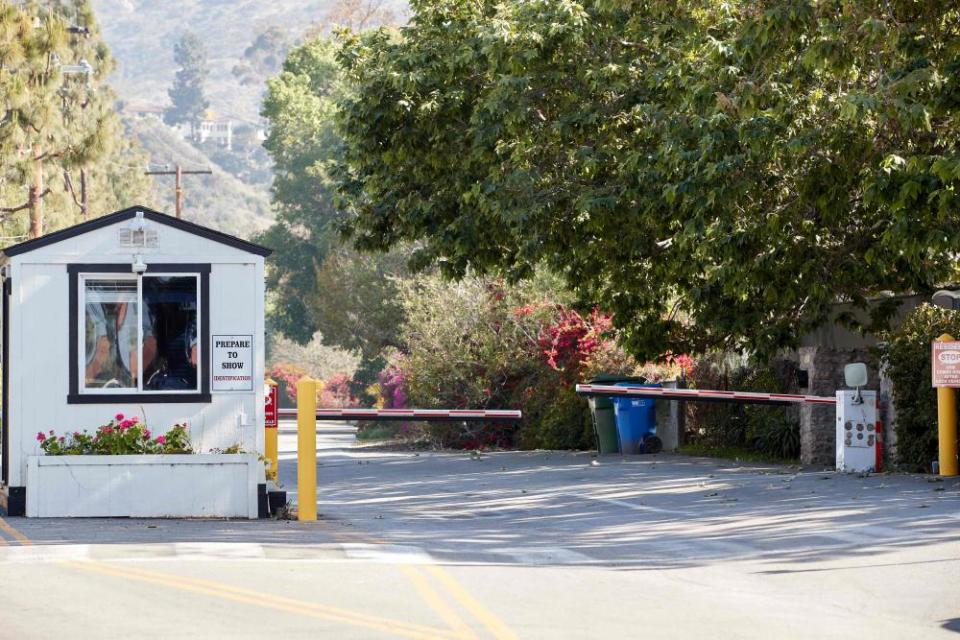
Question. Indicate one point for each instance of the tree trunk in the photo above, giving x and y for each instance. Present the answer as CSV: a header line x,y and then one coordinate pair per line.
x,y
83,194
36,193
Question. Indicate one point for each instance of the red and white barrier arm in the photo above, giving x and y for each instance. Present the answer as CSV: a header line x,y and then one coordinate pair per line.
x,y
705,395
414,415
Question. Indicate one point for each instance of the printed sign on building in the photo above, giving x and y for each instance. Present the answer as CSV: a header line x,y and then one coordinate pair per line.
x,y
232,361
271,406
946,364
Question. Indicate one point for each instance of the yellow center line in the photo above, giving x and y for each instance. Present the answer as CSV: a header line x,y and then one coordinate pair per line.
x,y
429,595
493,624
219,590
471,604
245,596
6,528
453,587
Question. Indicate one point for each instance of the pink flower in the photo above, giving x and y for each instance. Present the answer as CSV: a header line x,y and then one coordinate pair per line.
x,y
134,420
126,424
76,434
107,429
41,436
61,438
118,417
146,434
161,439
51,431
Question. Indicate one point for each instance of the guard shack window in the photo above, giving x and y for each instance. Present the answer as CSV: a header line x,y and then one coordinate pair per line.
x,y
139,338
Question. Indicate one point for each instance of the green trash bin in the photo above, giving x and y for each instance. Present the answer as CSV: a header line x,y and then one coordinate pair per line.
x,y
601,410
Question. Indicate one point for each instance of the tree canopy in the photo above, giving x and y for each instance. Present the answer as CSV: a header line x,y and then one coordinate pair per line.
x,y
317,284
60,136
186,94
714,174
302,142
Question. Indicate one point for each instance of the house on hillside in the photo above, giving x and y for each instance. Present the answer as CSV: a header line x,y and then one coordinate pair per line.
x,y
217,129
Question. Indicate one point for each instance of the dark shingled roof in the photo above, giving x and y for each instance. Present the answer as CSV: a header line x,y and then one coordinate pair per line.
x,y
126,214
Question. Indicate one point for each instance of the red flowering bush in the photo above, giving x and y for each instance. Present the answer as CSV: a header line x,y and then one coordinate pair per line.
x,y
286,375
481,344
336,391
571,340
120,436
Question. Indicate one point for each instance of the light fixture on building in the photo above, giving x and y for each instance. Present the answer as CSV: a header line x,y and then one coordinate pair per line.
x,y
138,266
855,375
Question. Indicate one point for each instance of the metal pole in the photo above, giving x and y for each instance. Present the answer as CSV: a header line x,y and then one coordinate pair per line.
x,y
306,449
947,425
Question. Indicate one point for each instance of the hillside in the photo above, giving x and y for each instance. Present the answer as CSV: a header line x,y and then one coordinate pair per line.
x,y
246,42
141,34
220,200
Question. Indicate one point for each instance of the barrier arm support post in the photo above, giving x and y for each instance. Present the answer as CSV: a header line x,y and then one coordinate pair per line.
x,y
947,425
306,449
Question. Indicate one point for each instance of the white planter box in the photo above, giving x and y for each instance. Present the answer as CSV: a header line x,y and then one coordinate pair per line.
x,y
143,486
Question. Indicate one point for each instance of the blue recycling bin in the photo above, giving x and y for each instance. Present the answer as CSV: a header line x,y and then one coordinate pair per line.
x,y
636,421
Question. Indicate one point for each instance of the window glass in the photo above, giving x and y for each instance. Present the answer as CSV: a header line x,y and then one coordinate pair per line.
x,y
170,350
110,314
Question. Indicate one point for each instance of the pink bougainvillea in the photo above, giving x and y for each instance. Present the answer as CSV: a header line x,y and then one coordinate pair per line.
x,y
336,391
393,390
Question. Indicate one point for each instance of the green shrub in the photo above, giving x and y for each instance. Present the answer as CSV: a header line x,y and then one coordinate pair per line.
x,y
480,343
557,419
772,431
905,353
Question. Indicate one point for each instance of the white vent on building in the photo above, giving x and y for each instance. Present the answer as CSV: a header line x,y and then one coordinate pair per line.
x,y
139,234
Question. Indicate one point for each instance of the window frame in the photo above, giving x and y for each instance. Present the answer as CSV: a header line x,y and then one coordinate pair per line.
x,y
80,395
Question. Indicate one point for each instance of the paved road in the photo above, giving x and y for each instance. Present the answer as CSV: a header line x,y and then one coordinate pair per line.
x,y
510,545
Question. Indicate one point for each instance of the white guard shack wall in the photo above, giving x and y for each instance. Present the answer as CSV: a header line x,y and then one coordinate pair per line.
x,y
39,331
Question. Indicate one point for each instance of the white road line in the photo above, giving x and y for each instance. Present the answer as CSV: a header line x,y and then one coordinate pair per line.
x,y
228,550
51,553
387,553
633,506
545,555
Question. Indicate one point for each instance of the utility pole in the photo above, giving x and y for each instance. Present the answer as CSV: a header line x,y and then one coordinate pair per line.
x,y
178,188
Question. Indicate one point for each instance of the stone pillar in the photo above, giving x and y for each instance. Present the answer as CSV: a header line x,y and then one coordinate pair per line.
x,y
824,367
668,419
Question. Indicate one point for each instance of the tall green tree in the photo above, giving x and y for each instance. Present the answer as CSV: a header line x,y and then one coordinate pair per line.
x,y
187,94
299,108
60,138
319,285
715,174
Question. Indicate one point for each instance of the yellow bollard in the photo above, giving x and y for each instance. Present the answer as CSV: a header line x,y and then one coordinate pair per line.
x,y
271,446
306,449
947,425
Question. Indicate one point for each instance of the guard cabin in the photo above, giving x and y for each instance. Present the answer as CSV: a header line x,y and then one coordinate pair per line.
x,y
139,313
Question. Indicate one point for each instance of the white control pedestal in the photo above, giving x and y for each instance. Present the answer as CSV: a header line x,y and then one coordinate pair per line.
x,y
858,432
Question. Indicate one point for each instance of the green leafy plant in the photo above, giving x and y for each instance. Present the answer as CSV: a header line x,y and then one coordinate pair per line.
x,y
773,432
906,354
119,436
714,174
